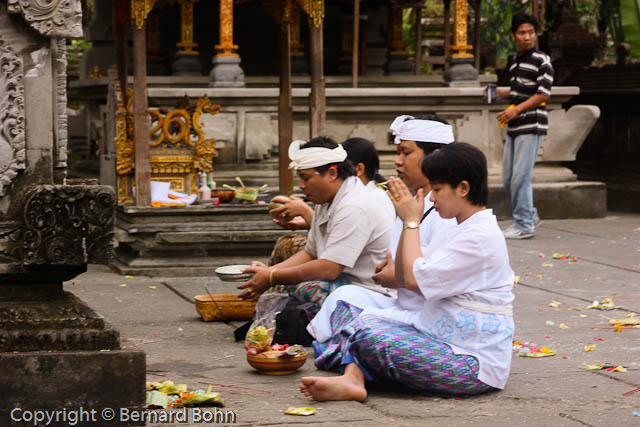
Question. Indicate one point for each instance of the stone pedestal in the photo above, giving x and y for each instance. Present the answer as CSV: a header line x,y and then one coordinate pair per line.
x,y
462,72
398,64
226,72
186,65
55,352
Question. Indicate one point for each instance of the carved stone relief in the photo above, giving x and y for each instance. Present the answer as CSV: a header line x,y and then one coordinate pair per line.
x,y
60,72
68,225
12,133
53,18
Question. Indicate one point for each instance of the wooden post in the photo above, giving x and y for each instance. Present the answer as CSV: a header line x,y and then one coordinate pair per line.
x,y
418,42
447,32
285,110
141,117
317,102
356,42
478,13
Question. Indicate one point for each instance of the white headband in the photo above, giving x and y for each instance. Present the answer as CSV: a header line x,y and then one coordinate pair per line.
x,y
420,130
313,157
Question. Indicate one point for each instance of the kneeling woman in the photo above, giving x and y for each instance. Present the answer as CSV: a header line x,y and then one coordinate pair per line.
x,y
460,342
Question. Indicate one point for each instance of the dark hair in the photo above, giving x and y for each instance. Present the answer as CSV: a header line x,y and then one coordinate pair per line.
x,y
458,162
345,168
426,146
523,18
360,150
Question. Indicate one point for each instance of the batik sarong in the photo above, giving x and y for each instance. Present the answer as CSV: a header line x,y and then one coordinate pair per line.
x,y
387,350
316,291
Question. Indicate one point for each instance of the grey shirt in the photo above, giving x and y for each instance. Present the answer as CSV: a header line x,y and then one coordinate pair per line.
x,y
352,231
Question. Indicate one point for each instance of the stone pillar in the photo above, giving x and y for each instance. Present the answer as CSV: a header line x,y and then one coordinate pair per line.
x,y
462,71
186,63
226,70
50,229
397,56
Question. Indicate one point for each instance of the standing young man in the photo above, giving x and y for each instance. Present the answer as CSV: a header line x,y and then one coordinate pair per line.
x,y
530,79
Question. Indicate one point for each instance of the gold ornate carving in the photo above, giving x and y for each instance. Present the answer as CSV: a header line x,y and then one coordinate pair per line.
x,y
179,148
186,28
460,36
226,46
139,11
315,10
95,72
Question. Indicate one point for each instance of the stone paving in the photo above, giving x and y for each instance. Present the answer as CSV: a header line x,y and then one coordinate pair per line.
x,y
157,315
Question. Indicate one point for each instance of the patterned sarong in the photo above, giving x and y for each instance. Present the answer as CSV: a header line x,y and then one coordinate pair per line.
x,y
317,291
387,350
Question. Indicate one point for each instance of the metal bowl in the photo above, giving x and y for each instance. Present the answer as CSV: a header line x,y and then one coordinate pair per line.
x,y
276,363
233,273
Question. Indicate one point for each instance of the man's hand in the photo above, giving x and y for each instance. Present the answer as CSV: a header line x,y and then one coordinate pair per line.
x,y
507,115
297,223
385,273
292,208
255,286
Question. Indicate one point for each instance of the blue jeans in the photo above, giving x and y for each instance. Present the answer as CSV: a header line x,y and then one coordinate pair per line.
x,y
520,154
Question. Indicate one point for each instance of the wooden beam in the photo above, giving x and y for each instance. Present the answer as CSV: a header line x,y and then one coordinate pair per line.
x,y
285,110
317,101
356,43
418,41
141,117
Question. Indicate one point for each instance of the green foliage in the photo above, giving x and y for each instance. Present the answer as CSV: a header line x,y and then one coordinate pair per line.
x,y
630,22
75,51
497,29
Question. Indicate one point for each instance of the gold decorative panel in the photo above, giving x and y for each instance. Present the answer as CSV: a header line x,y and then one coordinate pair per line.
x,y
179,149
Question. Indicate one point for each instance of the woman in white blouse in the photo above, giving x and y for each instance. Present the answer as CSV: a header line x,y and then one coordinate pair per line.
x,y
459,342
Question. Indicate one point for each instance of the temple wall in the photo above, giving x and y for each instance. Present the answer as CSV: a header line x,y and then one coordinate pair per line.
x,y
247,127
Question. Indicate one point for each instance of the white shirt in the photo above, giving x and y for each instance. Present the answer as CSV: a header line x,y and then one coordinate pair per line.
x,y
353,231
380,197
469,261
429,227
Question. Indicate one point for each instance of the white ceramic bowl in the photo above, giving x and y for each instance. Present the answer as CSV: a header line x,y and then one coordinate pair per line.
x,y
233,273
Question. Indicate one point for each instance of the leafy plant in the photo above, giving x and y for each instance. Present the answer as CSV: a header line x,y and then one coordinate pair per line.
x,y
630,23
75,51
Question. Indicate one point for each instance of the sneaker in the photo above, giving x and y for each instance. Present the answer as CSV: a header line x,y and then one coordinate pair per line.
x,y
514,232
536,220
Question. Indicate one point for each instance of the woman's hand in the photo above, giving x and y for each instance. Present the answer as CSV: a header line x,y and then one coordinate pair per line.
x,y
255,286
407,208
385,273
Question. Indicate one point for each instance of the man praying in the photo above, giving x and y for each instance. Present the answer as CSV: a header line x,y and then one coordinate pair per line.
x,y
349,233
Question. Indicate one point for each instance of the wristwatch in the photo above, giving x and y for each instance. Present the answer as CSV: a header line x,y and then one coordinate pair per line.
x,y
411,224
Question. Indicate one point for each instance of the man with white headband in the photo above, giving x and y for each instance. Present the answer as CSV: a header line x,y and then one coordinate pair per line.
x,y
349,234
415,138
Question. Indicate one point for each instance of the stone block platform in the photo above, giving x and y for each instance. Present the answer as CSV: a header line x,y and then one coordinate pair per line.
x,y
192,240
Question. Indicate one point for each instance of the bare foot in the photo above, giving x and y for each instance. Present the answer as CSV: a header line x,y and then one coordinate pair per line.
x,y
343,387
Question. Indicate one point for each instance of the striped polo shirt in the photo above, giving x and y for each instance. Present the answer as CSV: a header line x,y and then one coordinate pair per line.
x,y
530,73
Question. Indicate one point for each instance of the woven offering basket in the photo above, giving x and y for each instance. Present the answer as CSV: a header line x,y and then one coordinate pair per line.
x,y
223,307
